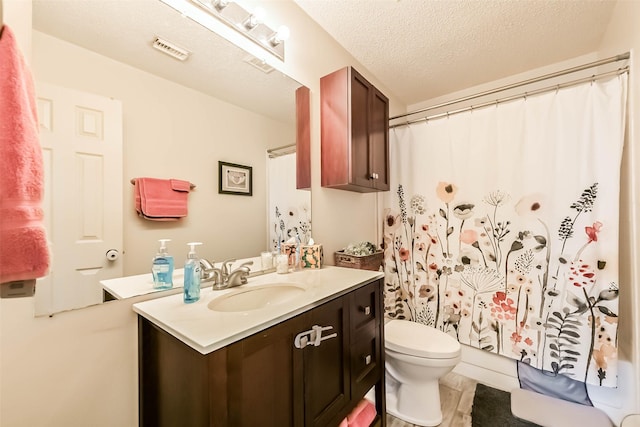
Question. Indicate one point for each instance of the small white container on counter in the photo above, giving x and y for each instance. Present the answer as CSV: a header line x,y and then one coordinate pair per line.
x,y
282,264
266,259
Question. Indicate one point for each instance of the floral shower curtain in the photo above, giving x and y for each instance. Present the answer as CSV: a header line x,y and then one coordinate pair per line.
x,y
501,228
289,208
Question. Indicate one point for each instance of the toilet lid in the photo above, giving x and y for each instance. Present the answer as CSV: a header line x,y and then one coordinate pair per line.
x,y
419,340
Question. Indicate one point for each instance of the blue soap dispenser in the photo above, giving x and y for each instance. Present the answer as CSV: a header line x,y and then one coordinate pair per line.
x,y
162,267
192,275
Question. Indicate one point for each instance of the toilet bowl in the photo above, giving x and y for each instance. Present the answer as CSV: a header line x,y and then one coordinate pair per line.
x,y
417,356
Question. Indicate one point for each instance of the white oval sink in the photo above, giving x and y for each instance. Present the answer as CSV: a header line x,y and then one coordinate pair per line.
x,y
256,297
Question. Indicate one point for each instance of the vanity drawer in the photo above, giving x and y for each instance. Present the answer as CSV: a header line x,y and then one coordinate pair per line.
x,y
365,359
364,307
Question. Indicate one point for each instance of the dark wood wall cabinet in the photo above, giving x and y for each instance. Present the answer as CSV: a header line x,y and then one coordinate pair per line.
x,y
277,377
354,133
303,139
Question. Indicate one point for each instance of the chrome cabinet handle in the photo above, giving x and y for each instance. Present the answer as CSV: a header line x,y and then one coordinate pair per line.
x,y
367,310
367,359
313,336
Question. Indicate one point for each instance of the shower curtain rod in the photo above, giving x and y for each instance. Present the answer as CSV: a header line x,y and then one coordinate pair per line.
x,y
592,78
616,58
281,151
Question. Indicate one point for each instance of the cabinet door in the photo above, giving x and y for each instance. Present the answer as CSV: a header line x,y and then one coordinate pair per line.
x,y
326,367
379,140
265,378
360,122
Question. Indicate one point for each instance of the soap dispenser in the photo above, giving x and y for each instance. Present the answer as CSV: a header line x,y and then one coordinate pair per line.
x,y
192,275
162,267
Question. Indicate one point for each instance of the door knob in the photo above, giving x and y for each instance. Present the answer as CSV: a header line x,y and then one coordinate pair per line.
x,y
112,254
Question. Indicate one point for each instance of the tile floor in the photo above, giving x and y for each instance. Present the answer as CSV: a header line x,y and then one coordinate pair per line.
x,y
456,398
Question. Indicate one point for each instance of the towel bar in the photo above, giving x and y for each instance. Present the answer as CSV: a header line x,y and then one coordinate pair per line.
x,y
191,186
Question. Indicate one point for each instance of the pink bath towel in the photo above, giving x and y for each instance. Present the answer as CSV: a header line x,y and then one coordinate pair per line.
x,y
161,199
24,251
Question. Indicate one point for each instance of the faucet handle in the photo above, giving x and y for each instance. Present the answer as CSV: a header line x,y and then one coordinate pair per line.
x,y
226,270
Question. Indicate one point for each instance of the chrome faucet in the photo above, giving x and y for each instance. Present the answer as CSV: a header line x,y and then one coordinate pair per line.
x,y
223,277
208,273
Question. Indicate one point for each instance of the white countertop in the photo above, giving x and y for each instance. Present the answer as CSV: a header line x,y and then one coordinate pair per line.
x,y
142,284
206,330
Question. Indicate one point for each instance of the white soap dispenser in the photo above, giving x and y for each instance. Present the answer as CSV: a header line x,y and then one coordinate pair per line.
x,y
192,275
162,267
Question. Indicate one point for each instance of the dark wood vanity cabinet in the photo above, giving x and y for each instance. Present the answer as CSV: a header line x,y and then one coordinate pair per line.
x,y
265,380
354,128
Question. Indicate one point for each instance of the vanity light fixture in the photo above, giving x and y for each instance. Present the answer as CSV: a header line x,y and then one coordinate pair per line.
x,y
249,24
220,4
257,17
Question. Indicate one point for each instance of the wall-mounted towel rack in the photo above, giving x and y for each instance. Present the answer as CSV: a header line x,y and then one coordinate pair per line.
x,y
133,181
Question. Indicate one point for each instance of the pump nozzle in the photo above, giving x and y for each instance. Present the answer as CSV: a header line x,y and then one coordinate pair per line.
x,y
192,250
163,246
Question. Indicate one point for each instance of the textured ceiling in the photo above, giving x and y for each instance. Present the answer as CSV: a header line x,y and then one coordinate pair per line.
x,y
421,49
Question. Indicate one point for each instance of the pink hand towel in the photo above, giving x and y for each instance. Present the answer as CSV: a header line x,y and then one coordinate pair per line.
x,y
24,252
161,199
362,415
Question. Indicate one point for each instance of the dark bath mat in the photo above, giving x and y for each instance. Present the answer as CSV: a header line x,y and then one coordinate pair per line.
x,y
492,408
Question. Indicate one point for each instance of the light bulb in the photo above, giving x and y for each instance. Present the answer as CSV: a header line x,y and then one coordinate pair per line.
x,y
279,36
259,14
283,33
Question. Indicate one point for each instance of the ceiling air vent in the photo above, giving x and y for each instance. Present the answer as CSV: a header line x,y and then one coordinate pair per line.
x,y
170,48
259,64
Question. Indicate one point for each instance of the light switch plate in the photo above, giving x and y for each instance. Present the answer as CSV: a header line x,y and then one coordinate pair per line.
x,y
18,289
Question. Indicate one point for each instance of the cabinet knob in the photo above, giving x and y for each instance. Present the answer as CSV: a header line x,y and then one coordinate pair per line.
x,y
366,310
374,176
367,359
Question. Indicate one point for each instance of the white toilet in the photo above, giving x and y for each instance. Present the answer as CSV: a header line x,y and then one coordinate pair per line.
x,y
417,356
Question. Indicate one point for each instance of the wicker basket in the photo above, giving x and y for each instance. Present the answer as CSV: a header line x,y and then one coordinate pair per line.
x,y
365,262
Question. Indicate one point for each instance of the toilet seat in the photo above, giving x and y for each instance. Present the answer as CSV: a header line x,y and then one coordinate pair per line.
x,y
419,340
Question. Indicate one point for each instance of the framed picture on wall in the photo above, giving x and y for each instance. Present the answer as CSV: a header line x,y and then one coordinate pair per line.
x,y
235,179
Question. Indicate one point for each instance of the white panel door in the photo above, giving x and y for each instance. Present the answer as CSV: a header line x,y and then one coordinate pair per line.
x,y
81,138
